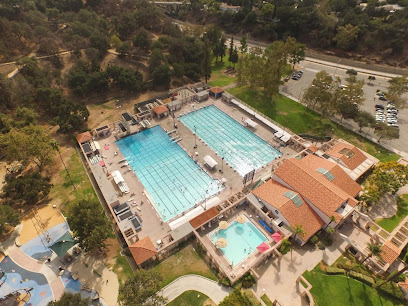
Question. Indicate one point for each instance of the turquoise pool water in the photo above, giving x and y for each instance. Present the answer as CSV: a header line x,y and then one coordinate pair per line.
x,y
173,180
242,240
240,147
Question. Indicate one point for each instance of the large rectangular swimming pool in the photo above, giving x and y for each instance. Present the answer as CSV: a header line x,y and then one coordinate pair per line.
x,y
242,241
172,179
240,147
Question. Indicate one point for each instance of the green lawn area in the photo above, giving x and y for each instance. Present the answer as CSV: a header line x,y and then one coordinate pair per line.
x,y
63,191
189,298
340,290
302,120
266,300
217,76
186,261
402,211
122,268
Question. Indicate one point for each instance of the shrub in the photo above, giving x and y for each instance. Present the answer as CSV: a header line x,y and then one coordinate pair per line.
x,y
362,278
247,280
328,240
392,289
321,245
333,270
401,278
314,239
225,281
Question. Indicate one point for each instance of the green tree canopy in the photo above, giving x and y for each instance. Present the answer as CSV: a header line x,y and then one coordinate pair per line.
x,y
236,298
141,289
90,225
31,144
346,36
26,189
8,216
70,299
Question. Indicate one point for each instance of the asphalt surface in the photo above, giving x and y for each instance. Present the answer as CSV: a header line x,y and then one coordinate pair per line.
x,y
297,89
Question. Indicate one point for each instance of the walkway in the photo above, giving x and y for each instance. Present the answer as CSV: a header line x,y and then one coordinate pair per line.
x,y
212,289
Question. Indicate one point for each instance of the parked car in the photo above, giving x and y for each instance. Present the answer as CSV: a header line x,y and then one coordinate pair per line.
x,y
379,106
382,98
380,94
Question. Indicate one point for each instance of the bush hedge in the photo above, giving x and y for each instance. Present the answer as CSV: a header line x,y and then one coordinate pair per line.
x,y
333,271
393,290
362,278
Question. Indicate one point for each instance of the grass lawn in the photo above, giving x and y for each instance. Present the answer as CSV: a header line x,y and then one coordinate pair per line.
x,y
185,261
189,298
64,191
217,76
302,120
266,300
402,211
340,290
122,268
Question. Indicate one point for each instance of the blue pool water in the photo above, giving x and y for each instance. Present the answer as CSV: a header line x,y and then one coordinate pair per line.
x,y
242,240
240,147
173,180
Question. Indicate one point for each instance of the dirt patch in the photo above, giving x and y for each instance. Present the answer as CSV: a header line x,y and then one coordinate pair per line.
x,y
283,113
323,266
209,302
7,233
49,217
112,247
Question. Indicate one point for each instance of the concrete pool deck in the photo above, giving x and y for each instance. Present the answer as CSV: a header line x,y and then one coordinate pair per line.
x,y
155,228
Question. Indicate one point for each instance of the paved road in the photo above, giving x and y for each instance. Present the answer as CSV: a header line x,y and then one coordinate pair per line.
x,y
212,289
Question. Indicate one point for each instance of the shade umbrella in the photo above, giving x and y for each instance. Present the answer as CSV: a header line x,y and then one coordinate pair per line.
x,y
223,225
241,219
277,237
262,247
222,243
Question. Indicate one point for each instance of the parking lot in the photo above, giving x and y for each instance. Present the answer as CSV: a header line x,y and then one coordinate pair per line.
x,y
296,89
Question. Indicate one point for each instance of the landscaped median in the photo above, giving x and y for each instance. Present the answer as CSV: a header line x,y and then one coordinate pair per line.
x,y
332,287
302,120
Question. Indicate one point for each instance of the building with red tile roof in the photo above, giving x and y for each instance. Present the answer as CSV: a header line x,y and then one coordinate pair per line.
x,y
390,252
347,154
341,178
161,110
216,92
204,217
143,250
84,137
317,188
290,207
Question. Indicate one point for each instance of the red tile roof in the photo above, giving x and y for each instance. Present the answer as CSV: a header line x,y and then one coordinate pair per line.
x,y
390,252
84,137
313,186
160,109
204,217
143,250
216,90
351,162
342,179
313,148
273,193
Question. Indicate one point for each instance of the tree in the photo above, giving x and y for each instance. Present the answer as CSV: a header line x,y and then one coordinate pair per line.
x,y
364,119
346,36
31,144
8,216
70,299
385,131
25,116
244,45
235,57
142,39
71,116
374,250
207,61
398,86
299,231
386,177
142,289
370,78
231,48
26,189
347,110
90,225
123,49
296,51
161,76
99,42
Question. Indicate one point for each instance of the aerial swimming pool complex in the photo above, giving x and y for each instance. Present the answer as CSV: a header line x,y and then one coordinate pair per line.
x,y
242,240
172,179
239,147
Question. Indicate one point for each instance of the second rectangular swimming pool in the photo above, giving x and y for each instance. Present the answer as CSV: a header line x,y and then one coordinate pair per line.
x,y
240,147
173,180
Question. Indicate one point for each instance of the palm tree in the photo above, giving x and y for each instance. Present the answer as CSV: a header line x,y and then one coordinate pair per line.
x,y
299,231
55,146
285,245
332,219
375,250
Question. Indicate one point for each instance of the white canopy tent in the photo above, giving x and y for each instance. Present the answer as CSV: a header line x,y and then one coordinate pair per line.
x,y
251,123
278,134
285,137
210,162
118,178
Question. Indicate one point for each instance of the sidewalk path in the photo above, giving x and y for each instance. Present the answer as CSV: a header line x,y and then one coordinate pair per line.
x,y
212,289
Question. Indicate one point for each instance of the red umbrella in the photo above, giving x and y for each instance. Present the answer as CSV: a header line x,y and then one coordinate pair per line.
x,y
262,247
277,237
